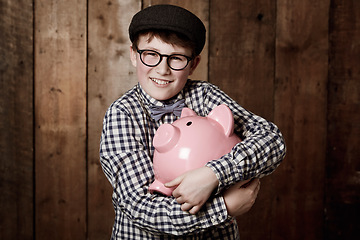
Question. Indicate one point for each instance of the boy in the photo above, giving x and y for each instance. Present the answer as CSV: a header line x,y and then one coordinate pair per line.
x,y
166,45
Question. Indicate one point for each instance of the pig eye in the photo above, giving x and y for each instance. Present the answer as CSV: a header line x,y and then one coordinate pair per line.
x,y
188,123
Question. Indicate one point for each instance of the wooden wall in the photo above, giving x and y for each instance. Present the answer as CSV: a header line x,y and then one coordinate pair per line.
x,y
64,62
16,120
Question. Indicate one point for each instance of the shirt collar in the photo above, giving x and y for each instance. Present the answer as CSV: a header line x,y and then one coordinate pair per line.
x,y
148,100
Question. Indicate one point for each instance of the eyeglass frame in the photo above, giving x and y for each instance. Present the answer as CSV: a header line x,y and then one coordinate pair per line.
x,y
189,59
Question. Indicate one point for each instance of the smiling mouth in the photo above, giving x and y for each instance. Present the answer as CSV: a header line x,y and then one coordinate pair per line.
x,y
160,82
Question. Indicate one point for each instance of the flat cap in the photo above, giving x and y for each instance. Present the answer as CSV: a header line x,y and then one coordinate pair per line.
x,y
169,17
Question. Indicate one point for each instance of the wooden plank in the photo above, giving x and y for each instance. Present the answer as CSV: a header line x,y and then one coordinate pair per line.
x,y
242,45
342,194
201,9
110,74
60,119
300,111
242,52
16,120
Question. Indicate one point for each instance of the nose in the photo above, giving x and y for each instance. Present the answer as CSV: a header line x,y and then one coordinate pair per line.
x,y
166,137
163,68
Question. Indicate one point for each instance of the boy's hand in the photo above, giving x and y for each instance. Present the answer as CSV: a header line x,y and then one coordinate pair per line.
x,y
193,188
240,197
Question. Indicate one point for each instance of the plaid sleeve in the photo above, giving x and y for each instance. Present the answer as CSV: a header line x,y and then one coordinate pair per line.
x,y
127,165
258,154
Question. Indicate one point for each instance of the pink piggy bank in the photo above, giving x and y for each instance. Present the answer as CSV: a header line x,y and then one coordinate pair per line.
x,y
189,143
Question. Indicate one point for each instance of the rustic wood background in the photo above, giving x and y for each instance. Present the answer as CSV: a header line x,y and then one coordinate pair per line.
x,y
294,62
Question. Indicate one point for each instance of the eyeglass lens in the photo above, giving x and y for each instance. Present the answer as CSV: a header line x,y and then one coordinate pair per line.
x,y
152,58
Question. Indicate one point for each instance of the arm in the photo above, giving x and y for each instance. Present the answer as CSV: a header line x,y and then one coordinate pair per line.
x,y
258,154
127,165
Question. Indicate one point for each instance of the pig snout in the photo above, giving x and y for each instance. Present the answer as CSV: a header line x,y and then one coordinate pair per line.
x,y
166,137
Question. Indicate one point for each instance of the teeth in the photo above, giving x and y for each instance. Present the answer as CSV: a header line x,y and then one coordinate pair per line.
x,y
160,82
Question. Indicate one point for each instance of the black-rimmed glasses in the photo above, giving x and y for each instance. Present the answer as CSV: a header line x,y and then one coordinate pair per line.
x,y
152,58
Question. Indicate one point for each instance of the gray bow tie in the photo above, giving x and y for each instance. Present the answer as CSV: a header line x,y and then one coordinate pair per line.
x,y
158,112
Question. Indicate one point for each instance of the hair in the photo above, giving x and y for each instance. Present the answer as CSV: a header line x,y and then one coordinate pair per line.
x,y
168,37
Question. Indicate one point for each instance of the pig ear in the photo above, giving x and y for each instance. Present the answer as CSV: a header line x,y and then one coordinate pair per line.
x,y
187,112
223,115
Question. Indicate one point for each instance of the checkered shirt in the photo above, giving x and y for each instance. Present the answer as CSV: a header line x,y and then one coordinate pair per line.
x,y
126,152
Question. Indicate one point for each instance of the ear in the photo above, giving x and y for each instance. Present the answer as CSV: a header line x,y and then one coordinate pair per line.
x,y
133,56
223,115
187,112
195,62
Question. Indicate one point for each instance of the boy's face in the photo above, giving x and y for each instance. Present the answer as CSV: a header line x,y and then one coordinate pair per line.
x,y
161,82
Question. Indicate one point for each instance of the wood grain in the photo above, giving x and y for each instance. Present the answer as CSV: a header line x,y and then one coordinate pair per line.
x,y
16,120
60,119
300,111
342,202
242,44
110,74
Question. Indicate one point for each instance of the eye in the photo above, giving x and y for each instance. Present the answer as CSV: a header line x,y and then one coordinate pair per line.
x,y
188,123
177,58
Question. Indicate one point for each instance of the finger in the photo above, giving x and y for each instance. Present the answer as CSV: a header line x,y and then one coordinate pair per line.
x,y
253,184
242,183
257,189
194,209
186,206
180,200
255,192
176,194
174,183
